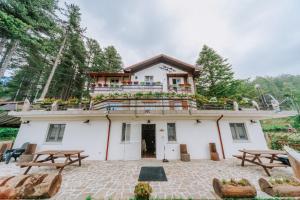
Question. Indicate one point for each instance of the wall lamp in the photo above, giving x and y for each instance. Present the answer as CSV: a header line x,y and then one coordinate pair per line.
x,y
198,121
86,121
26,122
148,121
253,121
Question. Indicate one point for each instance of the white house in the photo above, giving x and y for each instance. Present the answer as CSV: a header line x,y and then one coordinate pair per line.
x,y
130,128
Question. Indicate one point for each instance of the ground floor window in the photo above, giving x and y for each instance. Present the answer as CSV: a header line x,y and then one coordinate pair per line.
x,y
55,132
125,132
171,132
238,131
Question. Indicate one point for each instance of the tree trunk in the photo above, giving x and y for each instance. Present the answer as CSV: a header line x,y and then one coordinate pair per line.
x,y
46,87
2,44
7,57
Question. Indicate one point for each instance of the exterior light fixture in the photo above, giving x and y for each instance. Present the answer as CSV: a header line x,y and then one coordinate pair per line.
x,y
148,121
26,122
253,121
86,121
198,121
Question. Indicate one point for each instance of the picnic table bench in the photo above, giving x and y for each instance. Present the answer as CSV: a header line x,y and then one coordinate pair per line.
x,y
255,157
71,156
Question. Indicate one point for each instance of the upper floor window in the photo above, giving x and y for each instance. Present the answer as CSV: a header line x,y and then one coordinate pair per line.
x,y
148,79
238,131
171,132
114,80
55,132
126,129
176,81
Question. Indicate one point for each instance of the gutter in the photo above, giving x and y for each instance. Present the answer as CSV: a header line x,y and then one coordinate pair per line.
x,y
108,136
220,135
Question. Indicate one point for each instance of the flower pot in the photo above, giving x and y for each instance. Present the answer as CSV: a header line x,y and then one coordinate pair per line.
x,y
280,190
233,191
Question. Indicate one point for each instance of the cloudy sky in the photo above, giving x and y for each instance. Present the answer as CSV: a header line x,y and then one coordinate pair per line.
x,y
258,37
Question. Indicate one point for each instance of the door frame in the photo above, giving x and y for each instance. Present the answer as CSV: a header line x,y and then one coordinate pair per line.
x,y
155,145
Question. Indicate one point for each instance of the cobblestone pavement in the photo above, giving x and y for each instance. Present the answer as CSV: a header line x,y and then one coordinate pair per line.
x,y
116,179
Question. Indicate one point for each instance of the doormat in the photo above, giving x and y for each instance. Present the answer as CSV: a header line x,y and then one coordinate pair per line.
x,y
152,174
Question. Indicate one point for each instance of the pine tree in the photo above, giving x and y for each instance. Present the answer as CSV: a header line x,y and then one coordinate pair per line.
x,y
70,76
95,56
216,78
113,60
25,23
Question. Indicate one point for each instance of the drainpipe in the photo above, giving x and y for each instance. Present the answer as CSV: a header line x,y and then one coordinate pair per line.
x,y
108,136
220,136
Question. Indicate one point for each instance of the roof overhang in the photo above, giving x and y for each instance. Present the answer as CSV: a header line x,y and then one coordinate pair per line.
x,y
163,59
180,114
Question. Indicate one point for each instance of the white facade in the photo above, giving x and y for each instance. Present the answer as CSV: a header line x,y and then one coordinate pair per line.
x,y
159,73
92,137
89,130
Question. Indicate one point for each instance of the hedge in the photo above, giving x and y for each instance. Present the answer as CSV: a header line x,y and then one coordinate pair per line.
x,y
8,133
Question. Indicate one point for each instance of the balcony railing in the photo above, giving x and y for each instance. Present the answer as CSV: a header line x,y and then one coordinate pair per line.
x,y
127,88
181,88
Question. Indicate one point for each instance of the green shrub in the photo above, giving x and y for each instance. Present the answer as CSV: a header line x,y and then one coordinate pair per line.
x,y
277,139
275,128
142,191
296,122
8,133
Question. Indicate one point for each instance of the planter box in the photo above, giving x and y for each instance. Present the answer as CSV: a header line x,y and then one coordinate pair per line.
x,y
232,191
280,190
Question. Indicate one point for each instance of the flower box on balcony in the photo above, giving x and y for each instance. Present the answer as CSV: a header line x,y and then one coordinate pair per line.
x,y
185,85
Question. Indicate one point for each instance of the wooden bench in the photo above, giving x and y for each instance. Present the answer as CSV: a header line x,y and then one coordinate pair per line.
x,y
34,164
255,156
70,157
271,165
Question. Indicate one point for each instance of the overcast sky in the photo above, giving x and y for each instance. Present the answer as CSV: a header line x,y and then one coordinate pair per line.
x,y
258,37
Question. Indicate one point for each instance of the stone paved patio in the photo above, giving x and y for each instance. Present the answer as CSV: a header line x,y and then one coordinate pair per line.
x,y
116,179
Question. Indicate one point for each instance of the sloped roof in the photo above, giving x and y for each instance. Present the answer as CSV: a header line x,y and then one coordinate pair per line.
x,y
162,59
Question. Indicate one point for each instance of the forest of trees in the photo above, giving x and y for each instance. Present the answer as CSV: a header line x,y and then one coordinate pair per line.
x,y
39,38
217,80
45,49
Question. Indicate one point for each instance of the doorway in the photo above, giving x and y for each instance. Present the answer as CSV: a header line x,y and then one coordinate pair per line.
x,y
148,141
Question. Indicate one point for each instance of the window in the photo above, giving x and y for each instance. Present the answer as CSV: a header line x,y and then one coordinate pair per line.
x,y
171,131
238,131
114,81
176,81
125,132
148,80
55,132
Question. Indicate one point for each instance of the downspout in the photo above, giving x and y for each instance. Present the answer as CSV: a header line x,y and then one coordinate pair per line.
x,y
220,136
108,136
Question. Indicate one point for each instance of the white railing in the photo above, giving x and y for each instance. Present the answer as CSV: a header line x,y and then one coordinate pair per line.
x,y
126,88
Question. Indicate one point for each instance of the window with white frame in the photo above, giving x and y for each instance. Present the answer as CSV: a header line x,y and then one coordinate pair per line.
x,y
171,132
55,132
149,79
126,128
238,131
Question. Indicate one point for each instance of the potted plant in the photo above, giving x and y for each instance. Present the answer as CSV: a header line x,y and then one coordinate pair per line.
x,y
142,190
234,188
280,187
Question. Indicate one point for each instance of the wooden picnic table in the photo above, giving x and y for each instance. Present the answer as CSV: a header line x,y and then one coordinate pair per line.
x,y
255,157
71,156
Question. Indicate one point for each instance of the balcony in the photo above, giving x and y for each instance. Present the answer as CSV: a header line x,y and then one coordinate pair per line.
x,y
126,88
181,88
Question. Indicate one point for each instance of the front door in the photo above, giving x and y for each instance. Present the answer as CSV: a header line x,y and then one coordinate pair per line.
x,y
148,141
